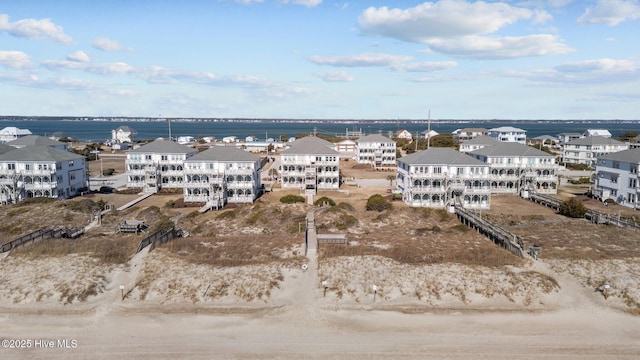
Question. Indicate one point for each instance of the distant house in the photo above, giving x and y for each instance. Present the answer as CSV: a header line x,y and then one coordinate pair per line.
x,y
587,150
123,134
229,139
12,133
617,178
509,134
376,150
310,164
37,140
40,171
466,134
403,134
437,177
597,132
564,138
157,165
428,134
346,147
221,175
184,140
477,143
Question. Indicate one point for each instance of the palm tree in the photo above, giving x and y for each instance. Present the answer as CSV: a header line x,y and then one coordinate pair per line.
x,y
391,178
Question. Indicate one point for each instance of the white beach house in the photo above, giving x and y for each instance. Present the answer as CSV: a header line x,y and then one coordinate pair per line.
x,y
587,150
156,165
221,175
40,171
376,150
438,177
617,178
509,134
310,164
516,167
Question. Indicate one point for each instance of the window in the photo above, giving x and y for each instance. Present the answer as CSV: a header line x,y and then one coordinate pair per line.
x,y
70,162
437,170
633,183
616,164
11,166
164,157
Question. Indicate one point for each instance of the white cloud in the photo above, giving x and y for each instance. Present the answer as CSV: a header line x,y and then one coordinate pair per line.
x,y
596,71
443,19
428,66
34,29
335,76
609,66
106,44
249,1
15,59
484,47
611,12
460,28
368,59
95,68
79,56
307,3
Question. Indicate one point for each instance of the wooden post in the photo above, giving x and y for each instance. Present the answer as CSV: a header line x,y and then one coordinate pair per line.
x,y
121,292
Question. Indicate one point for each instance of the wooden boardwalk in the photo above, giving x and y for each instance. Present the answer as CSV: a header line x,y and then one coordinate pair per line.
x,y
496,233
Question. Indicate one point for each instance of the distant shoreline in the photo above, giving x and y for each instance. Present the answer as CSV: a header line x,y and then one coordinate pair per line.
x,y
328,121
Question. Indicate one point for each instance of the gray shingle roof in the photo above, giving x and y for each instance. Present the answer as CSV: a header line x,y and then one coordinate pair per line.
x,y
34,140
440,156
224,153
627,156
511,149
482,140
595,140
374,138
39,153
162,146
310,145
5,148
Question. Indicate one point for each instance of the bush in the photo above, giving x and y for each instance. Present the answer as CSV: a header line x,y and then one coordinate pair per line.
x,y
572,208
108,172
170,204
324,200
378,203
291,199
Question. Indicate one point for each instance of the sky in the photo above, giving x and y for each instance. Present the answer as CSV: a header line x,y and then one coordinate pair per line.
x,y
319,59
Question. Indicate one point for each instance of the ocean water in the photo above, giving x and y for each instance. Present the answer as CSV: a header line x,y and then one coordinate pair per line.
x,y
98,131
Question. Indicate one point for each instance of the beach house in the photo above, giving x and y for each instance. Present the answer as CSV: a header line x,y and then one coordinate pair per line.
x,y
123,134
310,164
617,178
157,165
587,150
509,134
516,167
438,177
477,143
221,175
40,171
466,134
376,150
11,133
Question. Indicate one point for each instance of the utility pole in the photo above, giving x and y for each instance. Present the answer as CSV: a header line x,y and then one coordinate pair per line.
x,y
429,130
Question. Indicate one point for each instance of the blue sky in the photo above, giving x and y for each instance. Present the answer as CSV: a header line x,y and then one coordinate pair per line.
x,y
318,59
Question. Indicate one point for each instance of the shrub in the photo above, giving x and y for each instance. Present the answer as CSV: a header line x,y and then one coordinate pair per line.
x,y
108,172
378,203
170,204
572,208
291,199
324,200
